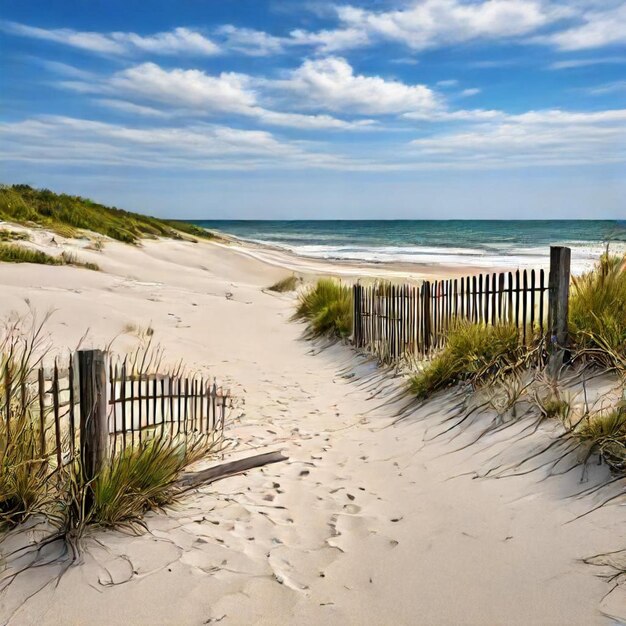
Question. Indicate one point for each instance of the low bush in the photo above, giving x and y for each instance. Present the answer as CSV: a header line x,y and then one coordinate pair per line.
x,y
327,308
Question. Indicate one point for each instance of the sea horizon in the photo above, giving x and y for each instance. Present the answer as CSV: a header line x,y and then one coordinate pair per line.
x,y
483,243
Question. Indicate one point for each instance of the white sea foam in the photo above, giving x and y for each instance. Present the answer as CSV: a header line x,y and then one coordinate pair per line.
x,y
502,255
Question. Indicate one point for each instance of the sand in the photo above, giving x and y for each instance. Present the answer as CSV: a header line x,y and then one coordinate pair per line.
x,y
372,520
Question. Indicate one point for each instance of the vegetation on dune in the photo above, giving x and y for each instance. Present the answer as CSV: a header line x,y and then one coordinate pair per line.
x,y
13,253
327,308
473,353
67,214
12,235
597,311
23,473
286,284
605,435
142,478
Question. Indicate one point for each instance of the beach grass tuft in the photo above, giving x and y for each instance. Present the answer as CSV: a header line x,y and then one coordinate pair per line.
x,y
286,284
597,311
327,307
605,434
13,235
68,215
12,253
23,480
473,353
138,479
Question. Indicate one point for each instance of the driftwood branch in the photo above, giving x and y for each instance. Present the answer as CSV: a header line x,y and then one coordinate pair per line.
x,y
224,470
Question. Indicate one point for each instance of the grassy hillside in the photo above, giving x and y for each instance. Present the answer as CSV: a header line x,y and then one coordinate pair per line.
x,y
67,214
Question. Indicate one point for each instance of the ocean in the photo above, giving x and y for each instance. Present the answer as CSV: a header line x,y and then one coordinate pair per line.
x,y
488,243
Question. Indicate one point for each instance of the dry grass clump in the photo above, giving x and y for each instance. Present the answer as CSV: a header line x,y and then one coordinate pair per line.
x,y
597,311
327,307
605,435
474,353
286,284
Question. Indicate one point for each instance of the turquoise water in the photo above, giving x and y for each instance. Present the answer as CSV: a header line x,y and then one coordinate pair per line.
x,y
412,241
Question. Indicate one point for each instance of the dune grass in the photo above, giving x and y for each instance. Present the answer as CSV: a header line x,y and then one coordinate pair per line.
x,y
286,284
605,435
473,353
597,311
12,253
327,308
67,215
12,235
23,484
137,480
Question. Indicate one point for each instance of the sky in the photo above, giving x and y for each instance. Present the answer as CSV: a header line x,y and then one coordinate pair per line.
x,y
258,109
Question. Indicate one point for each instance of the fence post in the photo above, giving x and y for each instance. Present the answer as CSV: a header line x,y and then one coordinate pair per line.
x,y
558,304
94,431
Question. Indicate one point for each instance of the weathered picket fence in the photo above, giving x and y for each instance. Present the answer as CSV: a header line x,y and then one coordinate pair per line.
x,y
393,321
94,408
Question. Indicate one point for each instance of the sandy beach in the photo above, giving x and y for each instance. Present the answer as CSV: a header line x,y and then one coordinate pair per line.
x,y
378,517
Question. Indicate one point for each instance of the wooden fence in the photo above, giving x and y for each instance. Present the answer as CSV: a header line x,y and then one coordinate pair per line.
x,y
98,409
393,321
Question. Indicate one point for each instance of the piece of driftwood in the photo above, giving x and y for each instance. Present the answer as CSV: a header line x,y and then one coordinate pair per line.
x,y
224,470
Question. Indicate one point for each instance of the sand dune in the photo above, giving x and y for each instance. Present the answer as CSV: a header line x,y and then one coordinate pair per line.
x,y
372,520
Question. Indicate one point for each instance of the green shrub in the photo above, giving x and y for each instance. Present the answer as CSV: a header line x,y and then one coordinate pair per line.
x,y
67,214
597,310
473,352
286,284
327,307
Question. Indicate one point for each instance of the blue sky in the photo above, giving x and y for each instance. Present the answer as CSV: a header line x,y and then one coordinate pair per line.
x,y
279,109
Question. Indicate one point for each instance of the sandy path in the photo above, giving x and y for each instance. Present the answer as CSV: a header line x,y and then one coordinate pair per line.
x,y
366,522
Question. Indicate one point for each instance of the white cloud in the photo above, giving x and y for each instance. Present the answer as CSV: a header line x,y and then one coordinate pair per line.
x,y
574,63
129,107
249,41
177,41
617,86
551,137
331,84
328,41
195,93
451,82
472,91
434,23
227,92
599,28
54,139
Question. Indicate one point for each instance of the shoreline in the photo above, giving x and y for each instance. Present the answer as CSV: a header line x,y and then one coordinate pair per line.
x,y
343,268
281,256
